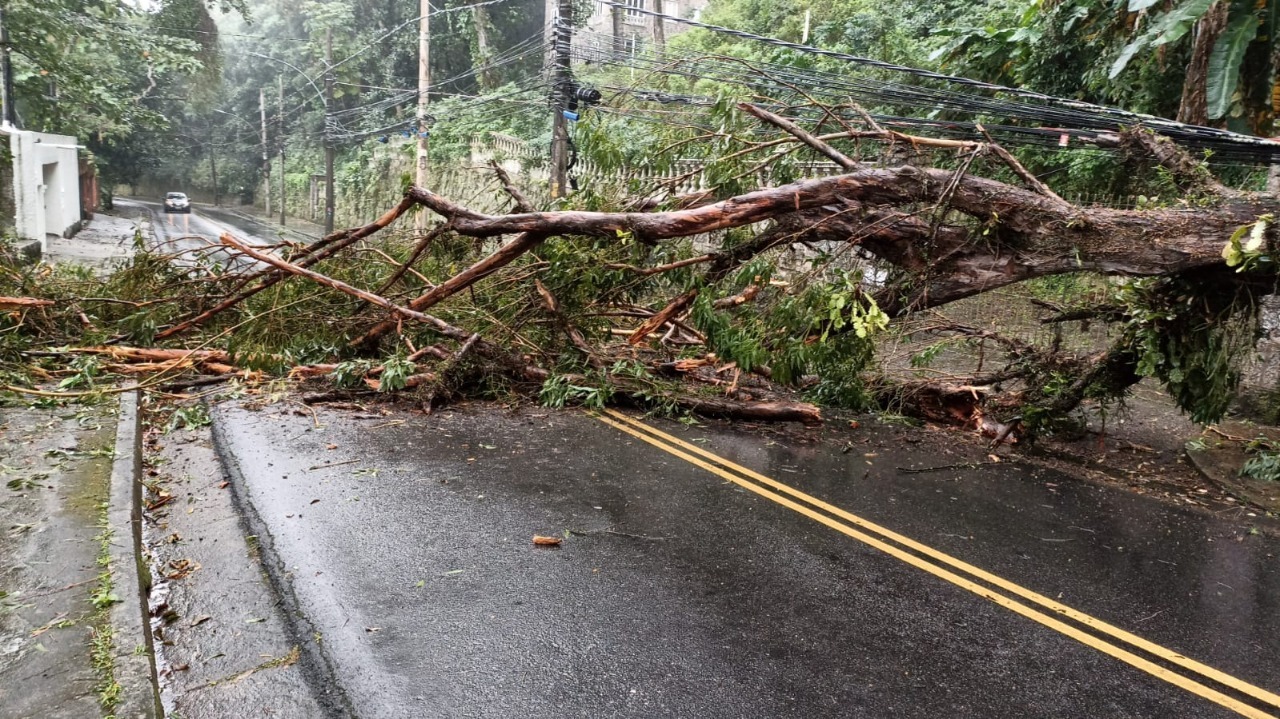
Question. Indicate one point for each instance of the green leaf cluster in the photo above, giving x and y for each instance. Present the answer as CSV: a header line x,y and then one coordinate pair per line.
x,y
821,333
1264,465
1131,53
1252,253
1192,336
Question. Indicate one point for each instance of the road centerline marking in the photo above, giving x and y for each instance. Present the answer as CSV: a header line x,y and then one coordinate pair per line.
x,y
776,491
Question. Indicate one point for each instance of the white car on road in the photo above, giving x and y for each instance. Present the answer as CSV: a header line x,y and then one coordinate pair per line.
x,y
177,202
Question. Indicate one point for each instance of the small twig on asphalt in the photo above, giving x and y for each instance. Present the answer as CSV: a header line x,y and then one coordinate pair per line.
x,y
609,530
335,464
944,467
340,395
315,418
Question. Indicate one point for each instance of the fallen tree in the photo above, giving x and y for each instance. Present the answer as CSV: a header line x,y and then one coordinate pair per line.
x,y
595,307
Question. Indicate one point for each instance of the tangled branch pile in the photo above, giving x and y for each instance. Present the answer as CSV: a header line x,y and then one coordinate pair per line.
x,y
725,306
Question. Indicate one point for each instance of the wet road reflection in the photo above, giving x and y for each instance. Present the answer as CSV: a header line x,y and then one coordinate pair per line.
x,y
192,237
678,593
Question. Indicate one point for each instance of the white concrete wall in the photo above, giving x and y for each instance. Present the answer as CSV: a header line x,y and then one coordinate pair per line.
x,y
28,195
46,184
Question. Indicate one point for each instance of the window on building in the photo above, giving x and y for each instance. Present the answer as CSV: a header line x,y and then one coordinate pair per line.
x,y
633,17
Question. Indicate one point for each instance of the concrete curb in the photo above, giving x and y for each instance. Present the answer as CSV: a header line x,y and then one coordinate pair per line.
x,y
1221,468
321,673
29,252
135,670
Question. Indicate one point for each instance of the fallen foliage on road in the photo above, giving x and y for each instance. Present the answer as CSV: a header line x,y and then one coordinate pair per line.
x,y
763,305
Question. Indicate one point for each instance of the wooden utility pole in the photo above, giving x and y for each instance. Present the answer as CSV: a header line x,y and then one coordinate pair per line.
x,y
284,201
424,89
266,158
659,26
328,139
561,86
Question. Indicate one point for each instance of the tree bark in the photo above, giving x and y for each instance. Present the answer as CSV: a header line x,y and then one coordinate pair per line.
x,y
1021,234
1194,107
486,75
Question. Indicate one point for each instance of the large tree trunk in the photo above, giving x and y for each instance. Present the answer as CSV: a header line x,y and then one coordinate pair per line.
x,y
486,75
1194,107
945,234
1011,235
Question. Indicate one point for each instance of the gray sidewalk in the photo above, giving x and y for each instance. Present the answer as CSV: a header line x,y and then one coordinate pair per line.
x,y
71,638
68,579
81,599
104,241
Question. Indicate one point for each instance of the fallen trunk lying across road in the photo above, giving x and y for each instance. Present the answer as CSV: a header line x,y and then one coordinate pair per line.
x,y
590,307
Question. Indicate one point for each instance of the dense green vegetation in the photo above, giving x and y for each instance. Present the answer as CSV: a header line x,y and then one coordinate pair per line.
x,y
181,87
158,92
116,76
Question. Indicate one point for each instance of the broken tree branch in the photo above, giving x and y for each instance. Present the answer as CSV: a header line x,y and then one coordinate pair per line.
x,y
746,295
1018,169
659,269
665,315
421,246
22,303
804,136
522,202
510,361
575,336
494,262
318,278
339,242
1188,173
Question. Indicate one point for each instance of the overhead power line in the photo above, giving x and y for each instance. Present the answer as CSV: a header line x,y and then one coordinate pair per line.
x,y
1063,111
409,22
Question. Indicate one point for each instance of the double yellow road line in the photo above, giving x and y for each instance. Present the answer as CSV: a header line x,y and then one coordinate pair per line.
x,y
1086,629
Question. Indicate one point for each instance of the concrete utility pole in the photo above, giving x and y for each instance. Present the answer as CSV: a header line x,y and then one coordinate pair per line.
x,y
284,198
424,88
6,69
659,26
328,140
561,86
266,159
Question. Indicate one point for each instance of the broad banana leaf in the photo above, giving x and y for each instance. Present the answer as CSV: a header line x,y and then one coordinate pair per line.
x,y
1224,63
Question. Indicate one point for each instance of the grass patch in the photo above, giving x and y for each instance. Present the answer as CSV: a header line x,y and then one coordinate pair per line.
x,y
101,635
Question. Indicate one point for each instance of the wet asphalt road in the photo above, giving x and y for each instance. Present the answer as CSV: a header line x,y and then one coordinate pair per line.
x,y
403,546
197,231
